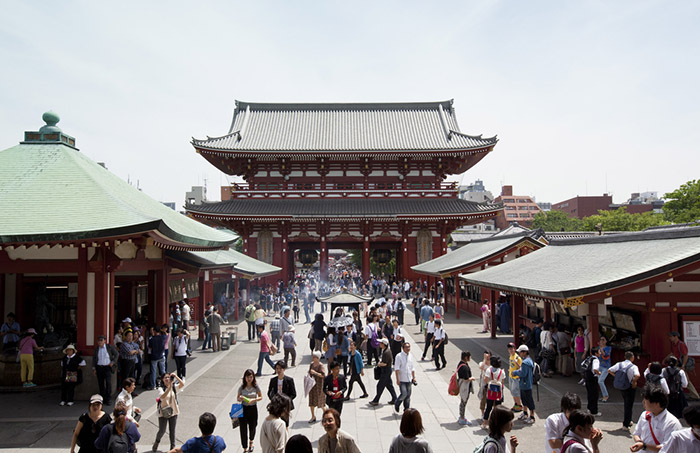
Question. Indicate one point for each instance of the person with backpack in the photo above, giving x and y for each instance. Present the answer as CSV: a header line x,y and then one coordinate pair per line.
x,y
652,376
208,442
556,424
464,382
525,375
590,370
500,423
429,333
580,430
481,394
685,362
605,362
439,341
677,381
514,364
626,374
493,378
372,339
656,424
249,316
119,436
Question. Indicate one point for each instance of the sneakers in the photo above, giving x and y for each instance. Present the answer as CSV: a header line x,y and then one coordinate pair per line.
x,y
530,421
464,422
373,403
523,416
29,384
517,408
582,382
69,403
598,415
62,403
364,396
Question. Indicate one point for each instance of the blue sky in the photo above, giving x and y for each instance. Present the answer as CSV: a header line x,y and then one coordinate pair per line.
x,y
586,97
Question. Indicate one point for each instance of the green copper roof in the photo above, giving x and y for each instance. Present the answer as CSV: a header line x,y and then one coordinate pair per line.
x,y
241,263
50,192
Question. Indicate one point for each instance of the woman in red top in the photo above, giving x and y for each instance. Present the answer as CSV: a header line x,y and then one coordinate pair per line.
x,y
334,386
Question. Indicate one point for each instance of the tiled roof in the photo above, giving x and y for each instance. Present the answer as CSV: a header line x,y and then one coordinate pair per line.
x,y
473,253
241,263
343,207
578,267
344,127
53,193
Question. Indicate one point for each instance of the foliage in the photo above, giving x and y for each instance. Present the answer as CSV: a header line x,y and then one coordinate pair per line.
x,y
238,245
388,269
621,220
683,204
556,221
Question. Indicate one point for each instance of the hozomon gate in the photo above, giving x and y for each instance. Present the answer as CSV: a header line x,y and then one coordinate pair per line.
x,y
355,176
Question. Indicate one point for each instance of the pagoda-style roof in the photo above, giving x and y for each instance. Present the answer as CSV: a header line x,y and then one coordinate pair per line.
x,y
392,208
478,252
594,266
328,129
52,193
216,259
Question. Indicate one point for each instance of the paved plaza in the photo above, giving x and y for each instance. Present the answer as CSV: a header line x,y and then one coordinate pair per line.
x,y
35,422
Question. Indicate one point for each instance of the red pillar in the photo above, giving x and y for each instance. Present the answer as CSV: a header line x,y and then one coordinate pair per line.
x,y
547,311
457,294
365,260
235,296
152,296
324,259
593,323
403,249
492,301
161,293
83,299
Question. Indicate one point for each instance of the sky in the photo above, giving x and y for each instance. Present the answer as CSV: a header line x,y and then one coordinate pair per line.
x,y
586,97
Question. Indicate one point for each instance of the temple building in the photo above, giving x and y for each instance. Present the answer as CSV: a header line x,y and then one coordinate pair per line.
x,y
364,177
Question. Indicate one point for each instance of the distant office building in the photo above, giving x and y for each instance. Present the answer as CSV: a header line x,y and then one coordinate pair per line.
x,y
581,207
545,206
519,209
196,196
475,192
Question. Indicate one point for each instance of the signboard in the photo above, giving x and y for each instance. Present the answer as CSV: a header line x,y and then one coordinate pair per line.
x,y
691,336
192,287
175,290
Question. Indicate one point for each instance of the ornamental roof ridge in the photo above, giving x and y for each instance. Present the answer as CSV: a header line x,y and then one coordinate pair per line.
x,y
632,236
269,106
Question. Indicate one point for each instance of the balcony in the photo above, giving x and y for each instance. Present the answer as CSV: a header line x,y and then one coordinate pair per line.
x,y
342,190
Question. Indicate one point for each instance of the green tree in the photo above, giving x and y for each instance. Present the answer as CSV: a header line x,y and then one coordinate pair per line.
x,y
683,204
556,221
621,220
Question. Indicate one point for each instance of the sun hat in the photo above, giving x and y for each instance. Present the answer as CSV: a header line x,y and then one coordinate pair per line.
x,y
31,330
522,348
70,346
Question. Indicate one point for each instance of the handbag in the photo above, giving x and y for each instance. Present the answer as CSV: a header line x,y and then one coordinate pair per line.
x,y
377,373
72,377
309,383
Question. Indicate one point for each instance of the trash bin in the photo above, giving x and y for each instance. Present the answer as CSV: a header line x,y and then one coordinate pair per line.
x,y
232,334
224,342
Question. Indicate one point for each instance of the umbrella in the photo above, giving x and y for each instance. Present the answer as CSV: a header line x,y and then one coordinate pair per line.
x,y
341,321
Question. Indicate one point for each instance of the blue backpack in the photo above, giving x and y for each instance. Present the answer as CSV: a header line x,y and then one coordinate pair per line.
x,y
622,382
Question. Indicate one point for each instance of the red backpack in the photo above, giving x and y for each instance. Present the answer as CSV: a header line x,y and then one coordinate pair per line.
x,y
453,387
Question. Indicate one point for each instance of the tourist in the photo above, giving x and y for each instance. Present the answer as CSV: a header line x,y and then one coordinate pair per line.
x,y
385,374
335,439
579,431
318,325
464,379
282,384
590,370
120,432
397,338
333,386
677,380
215,320
484,365
316,395
656,424
185,310
248,395
168,408
265,347
273,431
165,333
605,363
9,332
133,413
180,352
514,363
429,334
485,314
500,423
548,352
89,426
290,344
372,339
562,339
405,377
685,440
139,340
343,350
626,383
356,371
425,312
526,378
416,308
582,349
208,442
409,440
27,346
286,320
128,355
249,316
493,377
71,374
275,332
680,351
439,338
203,325
157,346
298,443
653,376
556,424
259,319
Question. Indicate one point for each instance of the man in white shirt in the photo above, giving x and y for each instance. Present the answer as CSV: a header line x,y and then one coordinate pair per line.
x,y
590,377
656,424
439,345
405,377
185,313
685,440
555,424
630,392
429,334
133,413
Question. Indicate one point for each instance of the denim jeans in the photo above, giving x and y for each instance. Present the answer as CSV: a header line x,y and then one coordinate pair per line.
x,y
207,339
157,366
264,356
405,395
601,381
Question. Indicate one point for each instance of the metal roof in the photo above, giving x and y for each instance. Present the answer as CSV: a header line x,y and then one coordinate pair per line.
x,y
578,267
429,126
239,262
343,207
51,192
473,253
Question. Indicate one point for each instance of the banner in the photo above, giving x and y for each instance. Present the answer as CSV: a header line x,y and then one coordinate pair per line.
x,y
175,290
192,287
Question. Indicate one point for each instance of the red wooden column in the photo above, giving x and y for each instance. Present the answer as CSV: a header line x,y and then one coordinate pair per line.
x,y
457,294
547,311
82,314
161,293
324,259
492,302
593,323
518,303
19,299
152,299
235,296
365,260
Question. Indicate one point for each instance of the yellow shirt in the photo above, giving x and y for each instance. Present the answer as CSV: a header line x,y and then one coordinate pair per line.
x,y
515,362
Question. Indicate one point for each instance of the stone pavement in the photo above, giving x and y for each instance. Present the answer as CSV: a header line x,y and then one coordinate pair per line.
x,y
34,422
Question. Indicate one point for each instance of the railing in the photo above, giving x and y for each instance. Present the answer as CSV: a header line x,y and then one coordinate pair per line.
x,y
350,190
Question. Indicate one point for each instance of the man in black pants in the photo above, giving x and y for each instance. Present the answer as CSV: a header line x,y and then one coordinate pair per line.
x,y
592,365
627,386
439,345
429,333
104,361
385,377
356,371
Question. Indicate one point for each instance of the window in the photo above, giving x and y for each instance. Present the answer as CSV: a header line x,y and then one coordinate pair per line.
x,y
523,200
512,216
345,186
510,208
508,200
534,208
522,208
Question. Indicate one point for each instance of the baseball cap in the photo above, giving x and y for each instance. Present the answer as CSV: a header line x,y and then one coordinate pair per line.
x,y
674,334
522,348
385,341
511,345
96,398
127,319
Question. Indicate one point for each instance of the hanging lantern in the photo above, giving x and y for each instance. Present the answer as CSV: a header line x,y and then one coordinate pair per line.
x,y
308,257
382,257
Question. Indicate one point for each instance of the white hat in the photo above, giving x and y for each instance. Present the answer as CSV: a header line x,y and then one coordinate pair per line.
x,y
522,348
385,341
70,346
127,319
